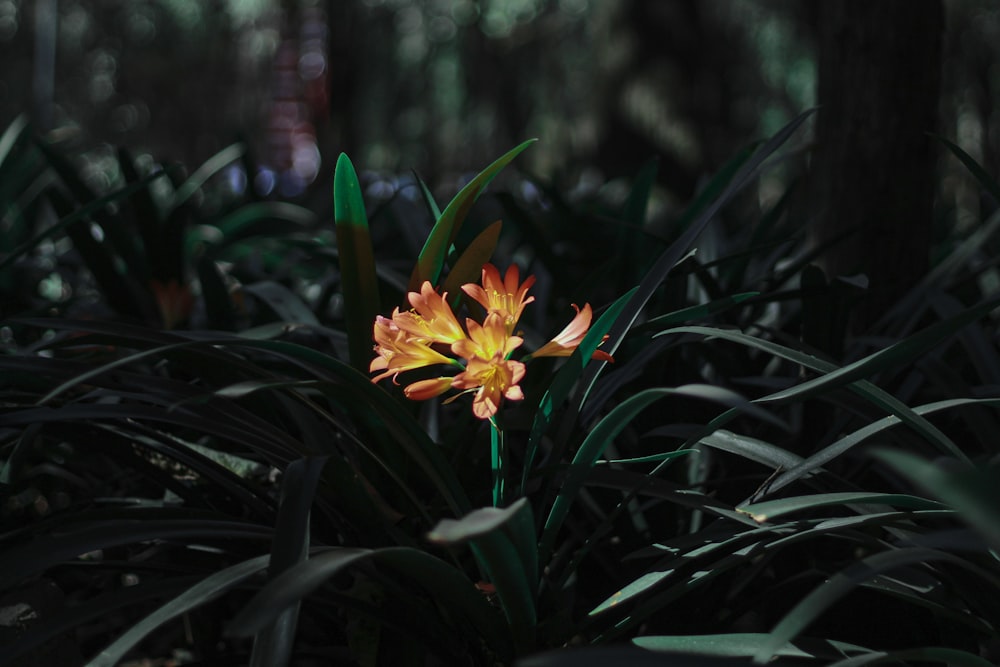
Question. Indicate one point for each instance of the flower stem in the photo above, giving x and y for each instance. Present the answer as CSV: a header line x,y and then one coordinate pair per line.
x,y
498,463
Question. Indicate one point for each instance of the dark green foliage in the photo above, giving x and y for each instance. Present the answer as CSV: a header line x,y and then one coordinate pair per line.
x,y
745,481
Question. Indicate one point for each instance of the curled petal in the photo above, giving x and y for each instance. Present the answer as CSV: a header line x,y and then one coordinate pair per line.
x,y
570,338
421,390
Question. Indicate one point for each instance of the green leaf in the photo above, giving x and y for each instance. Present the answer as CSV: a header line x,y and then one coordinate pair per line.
x,y
273,644
839,585
739,645
751,449
357,263
896,354
431,259
835,449
498,557
698,312
864,388
205,591
11,136
428,197
449,586
602,435
974,492
951,657
510,564
474,524
209,168
287,305
469,266
78,214
653,458
985,180
608,656
771,509
565,378
735,177
218,303
633,240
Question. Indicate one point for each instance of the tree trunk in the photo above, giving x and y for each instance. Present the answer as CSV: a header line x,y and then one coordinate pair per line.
x,y
879,74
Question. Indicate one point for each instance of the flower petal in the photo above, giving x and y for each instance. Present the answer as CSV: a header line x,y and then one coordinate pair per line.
x,y
421,390
570,338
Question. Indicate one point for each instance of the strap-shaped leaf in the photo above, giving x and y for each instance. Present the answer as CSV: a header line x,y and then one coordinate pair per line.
x,y
357,263
431,259
272,646
469,266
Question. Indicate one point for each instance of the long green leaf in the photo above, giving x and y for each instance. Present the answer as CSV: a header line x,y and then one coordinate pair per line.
x,y
988,182
974,492
951,657
19,563
78,214
668,260
815,461
602,435
742,645
896,354
771,509
205,591
208,168
432,256
440,580
468,267
565,378
632,656
11,136
507,558
864,388
273,644
839,585
357,263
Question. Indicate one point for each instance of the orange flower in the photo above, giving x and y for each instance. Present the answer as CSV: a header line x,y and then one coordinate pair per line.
x,y
570,338
416,338
398,351
506,297
431,319
495,379
487,340
488,369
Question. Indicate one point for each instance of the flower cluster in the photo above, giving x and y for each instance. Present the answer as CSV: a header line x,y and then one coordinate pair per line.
x,y
425,334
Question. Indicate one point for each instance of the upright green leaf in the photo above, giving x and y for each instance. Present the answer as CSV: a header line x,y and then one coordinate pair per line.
x,y
469,265
357,263
431,259
273,644
731,181
565,378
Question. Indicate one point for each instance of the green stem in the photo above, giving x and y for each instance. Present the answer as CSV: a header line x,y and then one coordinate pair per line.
x,y
498,463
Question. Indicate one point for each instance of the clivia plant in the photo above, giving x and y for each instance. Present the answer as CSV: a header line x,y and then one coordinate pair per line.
x,y
294,507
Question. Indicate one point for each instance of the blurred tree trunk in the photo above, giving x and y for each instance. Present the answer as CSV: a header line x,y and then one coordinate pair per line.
x,y
879,74
344,44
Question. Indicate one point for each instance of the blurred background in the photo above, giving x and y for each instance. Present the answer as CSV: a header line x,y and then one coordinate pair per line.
x,y
442,86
